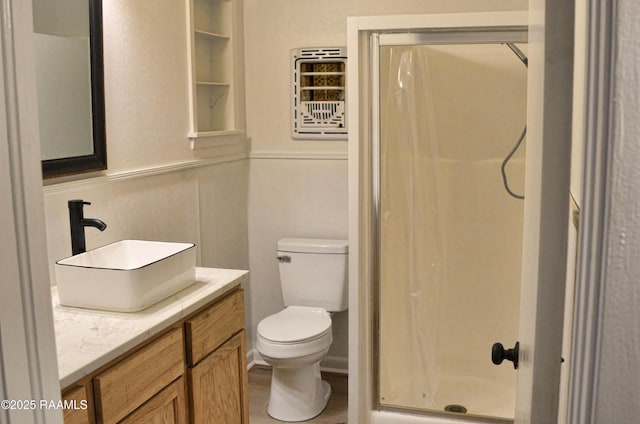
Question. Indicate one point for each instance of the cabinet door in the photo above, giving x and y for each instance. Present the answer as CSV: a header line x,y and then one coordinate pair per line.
x,y
219,385
167,407
81,400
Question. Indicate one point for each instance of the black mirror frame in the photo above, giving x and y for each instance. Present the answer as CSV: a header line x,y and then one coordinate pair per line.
x,y
98,160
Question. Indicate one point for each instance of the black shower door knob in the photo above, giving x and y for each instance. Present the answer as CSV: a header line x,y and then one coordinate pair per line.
x,y
499,354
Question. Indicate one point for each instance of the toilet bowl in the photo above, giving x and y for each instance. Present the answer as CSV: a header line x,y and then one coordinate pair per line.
x,y
293,341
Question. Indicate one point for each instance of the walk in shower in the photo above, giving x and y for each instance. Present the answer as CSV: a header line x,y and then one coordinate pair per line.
x,y
443,251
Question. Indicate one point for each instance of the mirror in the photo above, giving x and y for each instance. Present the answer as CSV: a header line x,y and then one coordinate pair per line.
x,y
70,86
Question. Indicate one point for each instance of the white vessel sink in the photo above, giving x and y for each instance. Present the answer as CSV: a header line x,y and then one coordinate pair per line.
x,y
125,276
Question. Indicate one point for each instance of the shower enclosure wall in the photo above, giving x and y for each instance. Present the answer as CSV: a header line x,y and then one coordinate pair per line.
x,y
449,234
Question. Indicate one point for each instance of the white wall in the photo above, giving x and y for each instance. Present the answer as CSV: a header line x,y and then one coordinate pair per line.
x,y
205,205
282,168
145,83
273,28
292,198
156,187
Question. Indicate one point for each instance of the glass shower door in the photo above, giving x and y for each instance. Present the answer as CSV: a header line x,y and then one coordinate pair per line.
x,y
449,233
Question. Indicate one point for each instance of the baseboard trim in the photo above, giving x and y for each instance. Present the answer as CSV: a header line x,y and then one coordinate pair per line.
x,y
334,364
251,360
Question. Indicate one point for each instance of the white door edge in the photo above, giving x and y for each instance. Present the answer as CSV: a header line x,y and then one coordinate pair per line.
x,y
28,360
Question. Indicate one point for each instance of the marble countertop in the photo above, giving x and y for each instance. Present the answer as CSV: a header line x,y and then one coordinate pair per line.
x,y
88,339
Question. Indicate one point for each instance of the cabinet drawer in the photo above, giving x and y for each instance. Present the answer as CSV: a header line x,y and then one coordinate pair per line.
x,y
136,379
211,327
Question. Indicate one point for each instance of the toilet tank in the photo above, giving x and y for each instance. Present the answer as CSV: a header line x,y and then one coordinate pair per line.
x,y
313,272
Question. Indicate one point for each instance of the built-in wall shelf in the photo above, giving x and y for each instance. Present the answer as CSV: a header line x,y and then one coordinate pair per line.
x,y
215,83
216,133
209,139
211,35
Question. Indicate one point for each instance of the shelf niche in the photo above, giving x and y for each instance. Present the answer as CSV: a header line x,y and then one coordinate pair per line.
x,y
214,84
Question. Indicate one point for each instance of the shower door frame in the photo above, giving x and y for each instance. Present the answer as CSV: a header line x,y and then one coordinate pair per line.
x,y
363,307
362,354
490,35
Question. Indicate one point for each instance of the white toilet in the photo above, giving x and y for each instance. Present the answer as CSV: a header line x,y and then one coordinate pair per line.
x,y
313,277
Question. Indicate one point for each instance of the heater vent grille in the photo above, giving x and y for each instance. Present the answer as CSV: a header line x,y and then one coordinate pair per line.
x,y
319,93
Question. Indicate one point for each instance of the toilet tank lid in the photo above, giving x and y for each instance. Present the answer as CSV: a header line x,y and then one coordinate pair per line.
x,y
311,245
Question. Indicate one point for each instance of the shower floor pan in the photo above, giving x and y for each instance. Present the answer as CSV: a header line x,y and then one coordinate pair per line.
x,y
487,400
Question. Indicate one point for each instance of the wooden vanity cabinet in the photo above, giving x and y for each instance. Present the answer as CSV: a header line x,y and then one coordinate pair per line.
x,y
217,363
195,371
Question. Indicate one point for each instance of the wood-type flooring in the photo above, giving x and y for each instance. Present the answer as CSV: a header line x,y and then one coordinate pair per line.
x,y
260,380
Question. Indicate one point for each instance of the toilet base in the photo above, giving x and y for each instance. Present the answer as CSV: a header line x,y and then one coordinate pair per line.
x,y
297,393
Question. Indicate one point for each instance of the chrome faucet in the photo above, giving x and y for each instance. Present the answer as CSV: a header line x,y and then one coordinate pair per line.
x,y
78,222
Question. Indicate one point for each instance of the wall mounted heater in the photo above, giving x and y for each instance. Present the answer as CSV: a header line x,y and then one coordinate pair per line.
x,y
318,109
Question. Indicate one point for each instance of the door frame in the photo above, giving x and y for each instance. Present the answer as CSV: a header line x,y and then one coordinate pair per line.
x,y
28,360
596,235
509,32
362,214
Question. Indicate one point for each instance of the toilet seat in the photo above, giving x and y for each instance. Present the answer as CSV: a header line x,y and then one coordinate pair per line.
x,y
294,325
